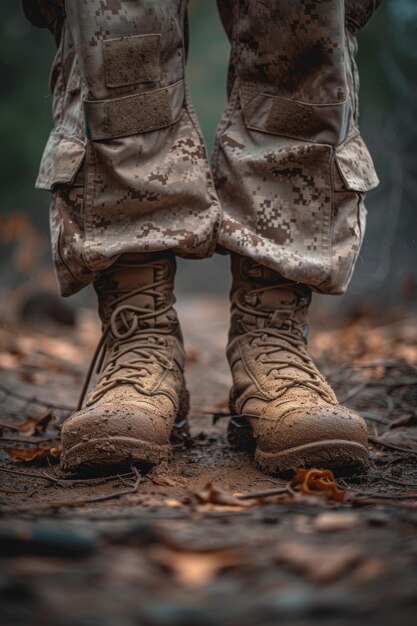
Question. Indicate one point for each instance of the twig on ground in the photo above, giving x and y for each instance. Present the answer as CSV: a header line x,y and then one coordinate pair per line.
x,y
44,506
29,440
266,493
66,482
34,400
29,475
392,446
353,392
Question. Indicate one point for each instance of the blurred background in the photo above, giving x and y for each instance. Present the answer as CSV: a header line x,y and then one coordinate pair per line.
x,y
386,274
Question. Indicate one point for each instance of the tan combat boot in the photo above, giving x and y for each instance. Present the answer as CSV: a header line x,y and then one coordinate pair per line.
x,y
139,394
279,396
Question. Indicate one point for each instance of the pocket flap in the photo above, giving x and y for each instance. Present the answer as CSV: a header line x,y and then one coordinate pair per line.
x,y
355,165
317,123
61,160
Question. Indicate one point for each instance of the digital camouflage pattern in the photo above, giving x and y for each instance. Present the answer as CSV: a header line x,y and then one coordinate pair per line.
x,y
126,161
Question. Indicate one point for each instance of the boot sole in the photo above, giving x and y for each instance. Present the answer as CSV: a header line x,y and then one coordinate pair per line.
x,y
335,454
113,451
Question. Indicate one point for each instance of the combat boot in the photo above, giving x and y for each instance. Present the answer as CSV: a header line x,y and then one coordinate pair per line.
x,y
280,399
139,392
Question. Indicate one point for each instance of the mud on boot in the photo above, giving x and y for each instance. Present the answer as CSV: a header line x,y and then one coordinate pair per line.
x,y
139,394
279,397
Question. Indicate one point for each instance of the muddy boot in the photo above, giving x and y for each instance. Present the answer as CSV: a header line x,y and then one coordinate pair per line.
x,y
139,393
283,404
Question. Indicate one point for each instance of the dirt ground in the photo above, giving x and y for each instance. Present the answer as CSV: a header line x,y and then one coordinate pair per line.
x,y
207,539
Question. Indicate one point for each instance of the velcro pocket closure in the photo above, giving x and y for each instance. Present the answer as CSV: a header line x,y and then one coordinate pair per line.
x,y
317,123
355,165
61,159
131,60
130,115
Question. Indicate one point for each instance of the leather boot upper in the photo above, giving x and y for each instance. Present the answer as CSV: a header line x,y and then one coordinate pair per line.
x,y
276,384
139,390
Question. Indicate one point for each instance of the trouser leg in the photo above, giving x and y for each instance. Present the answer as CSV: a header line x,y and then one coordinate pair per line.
x,y
126,160
290,167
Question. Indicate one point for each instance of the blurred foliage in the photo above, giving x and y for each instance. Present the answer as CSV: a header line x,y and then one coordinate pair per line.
x,y
388,66
25,110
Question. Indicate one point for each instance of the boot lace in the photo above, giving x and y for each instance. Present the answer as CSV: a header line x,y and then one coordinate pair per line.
x,y
129,334
271,342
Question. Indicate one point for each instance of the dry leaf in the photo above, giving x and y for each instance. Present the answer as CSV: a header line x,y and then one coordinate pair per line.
x,y
195,568
330,522
321,564
160,475
213,495
32,454
408,420
223,404
32,425
173,502
315,482
34,378
192,355
37,425
404,436
370,570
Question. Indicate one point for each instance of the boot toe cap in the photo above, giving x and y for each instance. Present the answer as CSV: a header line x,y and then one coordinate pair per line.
x,y
329,436
104,434
310,424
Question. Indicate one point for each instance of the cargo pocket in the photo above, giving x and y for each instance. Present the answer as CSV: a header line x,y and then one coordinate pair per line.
x,y
61,160
313,186
61,172
353,175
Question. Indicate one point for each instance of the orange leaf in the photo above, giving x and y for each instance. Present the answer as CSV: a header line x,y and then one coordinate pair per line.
x,y
26,455
314,482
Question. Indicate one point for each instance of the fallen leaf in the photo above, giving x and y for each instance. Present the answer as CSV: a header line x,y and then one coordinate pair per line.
x,y
404,436
408,420
214,495
172,502
160,475
9,361
34,378
316,482
223,404
370,570
330,522
37,425
192,355
32,454
32,425
196,568
320,564
9,425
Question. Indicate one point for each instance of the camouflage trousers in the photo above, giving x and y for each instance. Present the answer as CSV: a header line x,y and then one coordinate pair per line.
x,y
126,161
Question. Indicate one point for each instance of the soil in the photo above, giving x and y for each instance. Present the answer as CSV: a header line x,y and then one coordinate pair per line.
x,y
207,539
